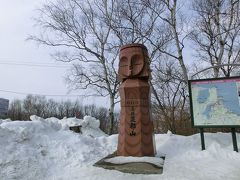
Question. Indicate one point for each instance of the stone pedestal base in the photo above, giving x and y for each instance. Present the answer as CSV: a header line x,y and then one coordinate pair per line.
x,y
131,167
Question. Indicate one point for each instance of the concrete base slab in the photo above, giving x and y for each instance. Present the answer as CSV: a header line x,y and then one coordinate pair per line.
x,y
131,167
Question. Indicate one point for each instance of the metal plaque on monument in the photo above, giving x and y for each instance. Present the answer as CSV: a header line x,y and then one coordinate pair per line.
x,y
136,127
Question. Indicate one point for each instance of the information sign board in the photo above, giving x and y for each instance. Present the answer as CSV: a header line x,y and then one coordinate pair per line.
x,y
215,102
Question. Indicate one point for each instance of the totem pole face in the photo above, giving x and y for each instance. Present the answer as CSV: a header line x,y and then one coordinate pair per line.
x,y
132,62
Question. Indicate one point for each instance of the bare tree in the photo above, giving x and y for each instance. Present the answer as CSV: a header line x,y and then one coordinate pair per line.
x,y
81,28
92,32
28,105
35,105
51,108
61,111
77,109
169,104
133,22
217,33
170,74
174,32
15,110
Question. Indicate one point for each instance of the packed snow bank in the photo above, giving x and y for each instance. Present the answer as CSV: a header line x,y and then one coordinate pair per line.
x,y
87,121
5,120
90,126
186,160
43,149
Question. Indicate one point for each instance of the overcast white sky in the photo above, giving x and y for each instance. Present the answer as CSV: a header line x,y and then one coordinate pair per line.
x,y
15,25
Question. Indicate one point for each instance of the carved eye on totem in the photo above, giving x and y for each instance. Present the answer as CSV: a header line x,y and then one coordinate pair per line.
x,y
131,65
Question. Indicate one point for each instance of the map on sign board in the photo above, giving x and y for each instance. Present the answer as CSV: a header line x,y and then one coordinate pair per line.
x,y
215,102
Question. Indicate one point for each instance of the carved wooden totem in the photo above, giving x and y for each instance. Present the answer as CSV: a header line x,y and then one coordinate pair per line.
x,y
136,127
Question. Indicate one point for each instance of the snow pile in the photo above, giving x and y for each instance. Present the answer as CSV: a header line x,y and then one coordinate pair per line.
x,y
87,121
91,122
90,126
50,122
43,149
70,122
5,120
186,160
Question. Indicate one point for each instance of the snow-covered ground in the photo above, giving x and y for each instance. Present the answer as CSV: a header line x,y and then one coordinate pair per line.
x,y
45,149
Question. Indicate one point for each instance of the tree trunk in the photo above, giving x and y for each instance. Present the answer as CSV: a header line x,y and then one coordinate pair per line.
x,y
111,115
216,72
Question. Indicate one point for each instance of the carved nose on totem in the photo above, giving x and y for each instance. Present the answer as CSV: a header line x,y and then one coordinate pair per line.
x,y
130,67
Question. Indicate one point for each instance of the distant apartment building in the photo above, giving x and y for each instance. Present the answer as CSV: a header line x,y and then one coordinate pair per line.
x,y
4,103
